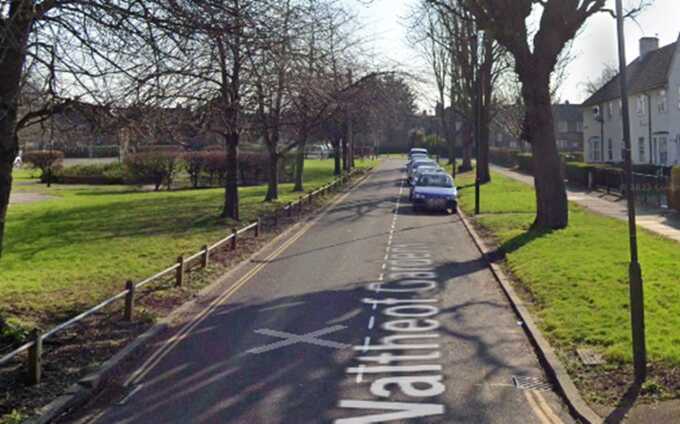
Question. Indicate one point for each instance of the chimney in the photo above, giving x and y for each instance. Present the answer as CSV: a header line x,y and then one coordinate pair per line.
x,y
648,44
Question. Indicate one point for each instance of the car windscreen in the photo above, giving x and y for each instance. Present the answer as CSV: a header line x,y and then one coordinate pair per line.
x,y
418,164
426,168
434,180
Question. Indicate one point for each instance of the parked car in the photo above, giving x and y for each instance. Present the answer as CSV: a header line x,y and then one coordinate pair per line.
x,y
421,171
417,151
435,192
410,171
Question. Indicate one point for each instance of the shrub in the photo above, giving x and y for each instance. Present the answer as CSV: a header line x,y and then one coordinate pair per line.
x,y
45,160
195,164
110,173
155,168
215,165
503,157
524,162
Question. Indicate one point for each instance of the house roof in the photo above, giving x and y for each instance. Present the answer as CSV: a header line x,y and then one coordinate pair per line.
x,y
567,112
643,74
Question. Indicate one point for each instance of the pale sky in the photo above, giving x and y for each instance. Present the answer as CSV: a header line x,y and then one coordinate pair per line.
x,y
383,24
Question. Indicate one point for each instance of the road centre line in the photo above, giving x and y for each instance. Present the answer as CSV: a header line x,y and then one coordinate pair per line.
x,y
171,343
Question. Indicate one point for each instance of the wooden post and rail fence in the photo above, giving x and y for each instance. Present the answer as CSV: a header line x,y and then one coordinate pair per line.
x,y
34,346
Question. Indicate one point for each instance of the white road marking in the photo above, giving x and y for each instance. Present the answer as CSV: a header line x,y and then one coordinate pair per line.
x,y
371,322
291,339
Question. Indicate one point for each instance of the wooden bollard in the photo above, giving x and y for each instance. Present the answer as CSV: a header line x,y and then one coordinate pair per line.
x,y
290,209
258,223
234,232
276,218
35,358
179,274
206,256
129,300
311,197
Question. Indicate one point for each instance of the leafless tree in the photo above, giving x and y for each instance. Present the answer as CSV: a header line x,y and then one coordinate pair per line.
x,y
559,22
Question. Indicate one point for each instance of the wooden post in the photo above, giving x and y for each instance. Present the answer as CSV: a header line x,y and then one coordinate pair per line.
x,y
179,274
257,227
276,218
290,209
311,197
206,256
233,239
35,358
129,300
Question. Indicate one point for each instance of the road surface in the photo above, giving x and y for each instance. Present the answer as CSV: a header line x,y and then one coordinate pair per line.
x,y
370,314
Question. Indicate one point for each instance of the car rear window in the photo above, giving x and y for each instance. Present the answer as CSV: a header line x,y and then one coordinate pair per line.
x,y
434,180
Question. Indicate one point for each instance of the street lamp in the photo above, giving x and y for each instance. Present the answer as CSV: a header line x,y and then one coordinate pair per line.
x,y
477,104
637,312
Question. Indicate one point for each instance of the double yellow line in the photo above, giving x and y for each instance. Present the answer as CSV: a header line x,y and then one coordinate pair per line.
x,y
541,408
171,343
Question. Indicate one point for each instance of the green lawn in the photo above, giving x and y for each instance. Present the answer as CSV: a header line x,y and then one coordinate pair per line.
x,y
67,253
578,276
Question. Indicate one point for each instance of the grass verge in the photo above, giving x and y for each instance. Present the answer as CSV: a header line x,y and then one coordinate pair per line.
x,y
576,280
65,254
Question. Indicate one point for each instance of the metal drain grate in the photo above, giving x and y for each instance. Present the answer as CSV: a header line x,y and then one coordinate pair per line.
x,y
531,383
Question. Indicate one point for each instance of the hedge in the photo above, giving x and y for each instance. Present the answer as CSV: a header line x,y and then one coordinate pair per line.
x,y
524,162
503,157
96,174
47,161
82,152
674,189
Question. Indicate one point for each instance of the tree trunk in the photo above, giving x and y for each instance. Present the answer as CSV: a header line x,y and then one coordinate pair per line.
x,y
273,178
551,197
231,201
300,163
12,57
345,154
467,150
336,158
5,188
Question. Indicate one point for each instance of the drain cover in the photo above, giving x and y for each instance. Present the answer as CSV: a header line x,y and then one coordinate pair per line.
x,y
531,383
590,356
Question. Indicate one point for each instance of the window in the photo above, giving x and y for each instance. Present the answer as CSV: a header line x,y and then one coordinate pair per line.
x,y
663,150
663,101
610,110
620,108
595,149
610,150
579,126
641,148
563,126
642,105
499,138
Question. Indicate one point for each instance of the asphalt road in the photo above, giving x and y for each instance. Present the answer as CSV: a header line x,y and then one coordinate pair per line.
x,y
374,314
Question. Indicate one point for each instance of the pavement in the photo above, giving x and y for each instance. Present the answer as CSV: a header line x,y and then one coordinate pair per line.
x,y
370,313
662,221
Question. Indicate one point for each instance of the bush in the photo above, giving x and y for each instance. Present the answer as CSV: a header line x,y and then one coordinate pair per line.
x,y
99,151
503,157
46,160
524,162
195,164
155,168
110,173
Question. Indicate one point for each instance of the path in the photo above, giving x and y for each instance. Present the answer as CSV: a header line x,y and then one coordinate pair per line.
x,y
664,222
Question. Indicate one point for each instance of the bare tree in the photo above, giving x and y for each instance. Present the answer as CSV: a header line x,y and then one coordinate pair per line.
x,y
560,21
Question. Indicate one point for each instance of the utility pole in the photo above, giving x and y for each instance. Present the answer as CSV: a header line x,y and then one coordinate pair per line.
x,y
637,312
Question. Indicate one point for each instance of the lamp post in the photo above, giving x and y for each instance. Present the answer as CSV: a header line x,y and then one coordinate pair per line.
x,y
637,313
477,105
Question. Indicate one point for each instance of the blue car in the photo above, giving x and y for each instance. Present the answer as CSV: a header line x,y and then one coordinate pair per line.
x,y
435,192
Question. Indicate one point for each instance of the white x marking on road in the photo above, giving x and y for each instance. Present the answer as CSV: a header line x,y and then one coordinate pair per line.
x,y
291,339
